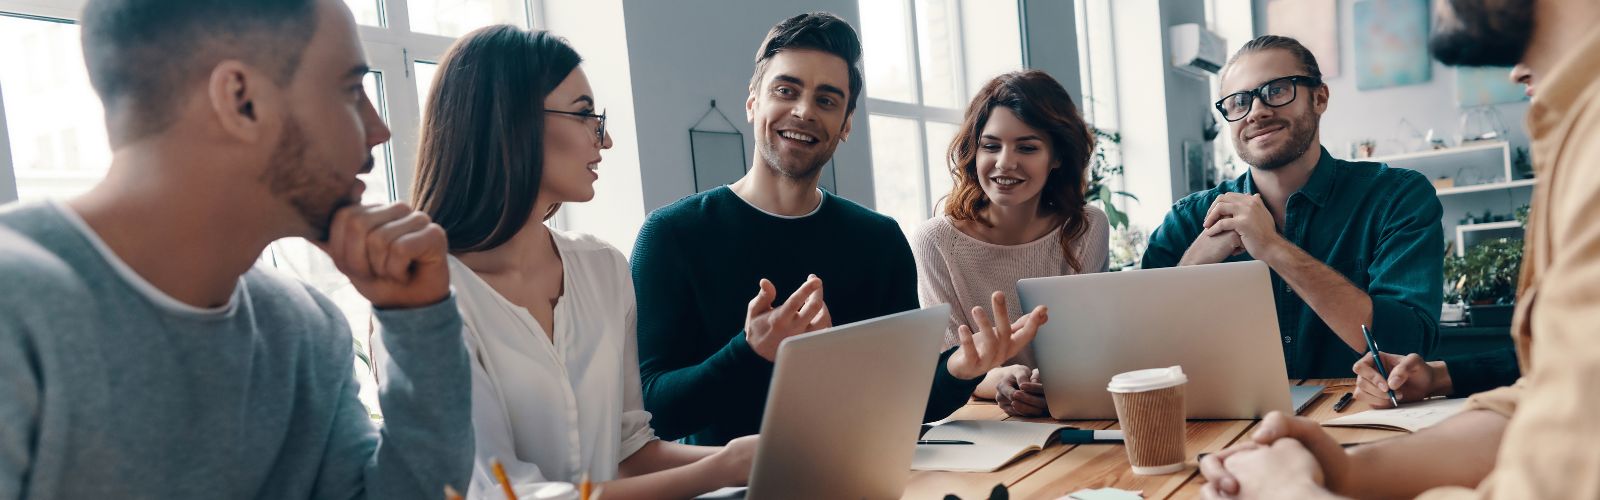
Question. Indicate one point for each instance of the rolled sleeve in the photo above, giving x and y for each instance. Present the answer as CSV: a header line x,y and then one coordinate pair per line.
x,y
1407,270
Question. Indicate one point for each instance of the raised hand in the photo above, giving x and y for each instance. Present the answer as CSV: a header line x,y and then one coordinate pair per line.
x,y
766,326
995,342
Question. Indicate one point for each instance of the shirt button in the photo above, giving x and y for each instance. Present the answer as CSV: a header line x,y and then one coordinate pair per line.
x,y
1288,340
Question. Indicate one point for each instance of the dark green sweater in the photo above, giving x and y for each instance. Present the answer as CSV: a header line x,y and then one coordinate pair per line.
x,y
697,265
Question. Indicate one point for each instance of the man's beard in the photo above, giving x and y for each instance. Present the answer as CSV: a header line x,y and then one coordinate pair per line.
x,y
1483,32
793,170
314,192
1303,132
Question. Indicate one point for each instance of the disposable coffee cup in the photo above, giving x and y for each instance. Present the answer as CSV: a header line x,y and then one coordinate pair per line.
x,y
1150,411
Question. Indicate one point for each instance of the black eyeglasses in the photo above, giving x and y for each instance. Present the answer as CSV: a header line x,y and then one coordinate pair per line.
x,y
599,132
1275,93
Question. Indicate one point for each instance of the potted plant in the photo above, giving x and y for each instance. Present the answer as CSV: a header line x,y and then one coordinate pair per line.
x,y
1485,278
1105,165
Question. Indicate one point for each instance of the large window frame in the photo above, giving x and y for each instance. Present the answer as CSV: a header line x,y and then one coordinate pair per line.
x,y
393,50
917,109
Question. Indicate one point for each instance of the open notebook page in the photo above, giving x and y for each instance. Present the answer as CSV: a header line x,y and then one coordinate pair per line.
x,y
1411,417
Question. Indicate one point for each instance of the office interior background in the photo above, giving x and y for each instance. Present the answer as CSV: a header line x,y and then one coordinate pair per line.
x,y
658,66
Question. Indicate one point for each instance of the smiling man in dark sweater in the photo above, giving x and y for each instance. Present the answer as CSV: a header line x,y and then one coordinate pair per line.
x,y
705,345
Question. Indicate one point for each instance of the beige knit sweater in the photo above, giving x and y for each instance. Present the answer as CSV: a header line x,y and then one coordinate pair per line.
x,y
957,269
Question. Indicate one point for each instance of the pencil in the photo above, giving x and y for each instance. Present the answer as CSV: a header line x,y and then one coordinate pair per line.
x,y
500,475
584,486
451,493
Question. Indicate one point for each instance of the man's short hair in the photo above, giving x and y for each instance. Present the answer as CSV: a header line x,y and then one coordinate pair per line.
x,y
816,31
143,55
1308,61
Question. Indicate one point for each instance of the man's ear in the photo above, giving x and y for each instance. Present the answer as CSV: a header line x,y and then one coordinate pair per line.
x,y
235,92
844,131
750,108
1321,95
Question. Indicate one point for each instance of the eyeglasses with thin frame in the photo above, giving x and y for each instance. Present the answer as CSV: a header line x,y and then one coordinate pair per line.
x,y
599,132
1275,93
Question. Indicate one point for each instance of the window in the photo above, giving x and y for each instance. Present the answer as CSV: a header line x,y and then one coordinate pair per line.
x,y
54,123
921,70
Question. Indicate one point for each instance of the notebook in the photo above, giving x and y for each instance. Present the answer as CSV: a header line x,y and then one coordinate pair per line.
x,y
995,444
1412,417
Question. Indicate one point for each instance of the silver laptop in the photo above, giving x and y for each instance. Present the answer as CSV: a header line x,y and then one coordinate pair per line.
x,y
1218,321
845,406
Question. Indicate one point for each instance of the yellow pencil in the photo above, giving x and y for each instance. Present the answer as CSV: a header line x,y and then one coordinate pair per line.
x,y
500,475
451,493
584,487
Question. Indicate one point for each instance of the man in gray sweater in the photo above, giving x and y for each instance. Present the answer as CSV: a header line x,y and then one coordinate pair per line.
x,y
141,354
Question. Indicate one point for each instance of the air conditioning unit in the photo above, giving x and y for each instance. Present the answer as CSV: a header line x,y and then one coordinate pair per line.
x,y
1196,50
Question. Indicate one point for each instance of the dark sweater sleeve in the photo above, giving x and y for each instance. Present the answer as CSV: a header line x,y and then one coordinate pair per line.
x,y
948,393
1169,241
683,389
1478,372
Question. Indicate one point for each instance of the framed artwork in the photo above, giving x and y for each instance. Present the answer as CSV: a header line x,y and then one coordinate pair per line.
x,y
1315,23
1485,86
1391,43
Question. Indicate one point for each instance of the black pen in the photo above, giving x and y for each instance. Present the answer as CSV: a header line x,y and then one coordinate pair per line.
x,y
1344,402
942,441
1372,347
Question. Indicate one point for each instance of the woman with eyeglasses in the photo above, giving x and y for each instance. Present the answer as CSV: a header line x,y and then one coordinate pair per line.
x,y
1017,210
511,132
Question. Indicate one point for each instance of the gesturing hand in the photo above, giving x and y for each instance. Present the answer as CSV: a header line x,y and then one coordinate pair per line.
x,y
393,255
765,326
995,342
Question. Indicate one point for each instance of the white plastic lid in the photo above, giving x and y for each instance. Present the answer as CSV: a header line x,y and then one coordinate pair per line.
x,y
546,491
1147,380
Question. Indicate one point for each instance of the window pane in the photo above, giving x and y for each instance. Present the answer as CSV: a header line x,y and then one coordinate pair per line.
x,y
424,77
55,121
938,51
368,12
454,18
886,39
379,187
897,170
939,181
299,258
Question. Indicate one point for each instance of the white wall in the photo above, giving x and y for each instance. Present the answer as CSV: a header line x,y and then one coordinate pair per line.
x,y
1158,106
595,29
686,53
1354,115
8,181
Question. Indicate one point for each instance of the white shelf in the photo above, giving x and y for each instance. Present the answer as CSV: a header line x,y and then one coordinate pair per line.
x,y
1489,226
1437,153
1492,186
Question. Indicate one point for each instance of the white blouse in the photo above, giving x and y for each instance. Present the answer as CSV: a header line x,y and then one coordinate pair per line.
x,y
554,411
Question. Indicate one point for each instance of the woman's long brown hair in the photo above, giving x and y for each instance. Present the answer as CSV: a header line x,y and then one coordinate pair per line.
x,y
1040,102
481,152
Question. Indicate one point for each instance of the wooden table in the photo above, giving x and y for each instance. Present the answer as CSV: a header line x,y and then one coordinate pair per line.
x,y
1061,469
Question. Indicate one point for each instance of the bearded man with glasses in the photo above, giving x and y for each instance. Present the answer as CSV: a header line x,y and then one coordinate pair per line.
x,y
1350,244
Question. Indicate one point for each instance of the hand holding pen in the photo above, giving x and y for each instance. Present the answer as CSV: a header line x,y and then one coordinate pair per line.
x,y
1372,349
